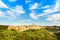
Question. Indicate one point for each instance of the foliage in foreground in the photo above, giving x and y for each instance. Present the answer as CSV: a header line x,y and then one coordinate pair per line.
x,y
2,27
58,35
27,35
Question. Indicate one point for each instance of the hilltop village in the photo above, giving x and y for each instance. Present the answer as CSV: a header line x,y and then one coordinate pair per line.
x,y
29,32
25,27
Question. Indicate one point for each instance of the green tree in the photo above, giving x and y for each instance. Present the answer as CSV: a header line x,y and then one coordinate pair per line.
x,y
2,27
8,35
37,35
27,35
58,35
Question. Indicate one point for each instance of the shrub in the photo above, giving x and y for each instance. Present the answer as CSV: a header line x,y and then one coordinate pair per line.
x,y
27,35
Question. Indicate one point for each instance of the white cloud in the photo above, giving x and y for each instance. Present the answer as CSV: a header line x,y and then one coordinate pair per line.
x,y
55,8
14,12
8,15
27,1
35,16
45,6
18,10
12,0
54,17
49,10
11,14
3,5
25,20
32,15
57,5
34,6
2,14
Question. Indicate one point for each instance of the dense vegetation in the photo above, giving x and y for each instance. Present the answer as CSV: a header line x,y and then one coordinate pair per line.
x,y
27,35
58,35
3,27
31,34
53,28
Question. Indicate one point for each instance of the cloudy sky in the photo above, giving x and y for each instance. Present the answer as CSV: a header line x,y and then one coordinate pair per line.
x,y
21,12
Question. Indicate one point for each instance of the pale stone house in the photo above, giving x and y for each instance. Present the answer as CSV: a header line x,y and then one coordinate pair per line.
x,y
24,27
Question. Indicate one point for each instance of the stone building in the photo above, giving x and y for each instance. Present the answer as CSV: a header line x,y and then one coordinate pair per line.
x,y
24,27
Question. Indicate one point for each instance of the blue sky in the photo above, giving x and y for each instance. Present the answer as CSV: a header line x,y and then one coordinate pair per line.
x,y
25,12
